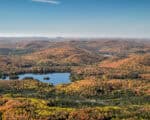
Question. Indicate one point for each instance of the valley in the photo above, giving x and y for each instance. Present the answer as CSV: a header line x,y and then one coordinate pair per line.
x,y
100,79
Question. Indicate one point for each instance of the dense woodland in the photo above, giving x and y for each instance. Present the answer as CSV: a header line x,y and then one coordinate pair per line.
x,y
110,80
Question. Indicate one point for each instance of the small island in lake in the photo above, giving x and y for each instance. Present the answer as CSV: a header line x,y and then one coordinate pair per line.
x,y
46,78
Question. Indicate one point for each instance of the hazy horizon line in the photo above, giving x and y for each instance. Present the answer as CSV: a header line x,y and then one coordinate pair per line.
x,y
77,37
59,37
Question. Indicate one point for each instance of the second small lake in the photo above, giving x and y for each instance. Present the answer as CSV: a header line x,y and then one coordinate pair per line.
x,y
53,78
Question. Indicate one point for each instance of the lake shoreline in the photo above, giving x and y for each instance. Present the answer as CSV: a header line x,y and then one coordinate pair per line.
x,y
52,78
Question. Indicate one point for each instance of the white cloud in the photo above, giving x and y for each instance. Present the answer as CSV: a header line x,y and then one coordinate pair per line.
x,y
47,1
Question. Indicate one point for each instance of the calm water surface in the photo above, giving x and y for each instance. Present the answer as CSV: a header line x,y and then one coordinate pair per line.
x,y
54,78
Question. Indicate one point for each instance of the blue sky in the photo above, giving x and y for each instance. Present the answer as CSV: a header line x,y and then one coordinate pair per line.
x,y
75,18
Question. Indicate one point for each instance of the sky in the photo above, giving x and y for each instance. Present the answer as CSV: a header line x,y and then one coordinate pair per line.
x,y
75,18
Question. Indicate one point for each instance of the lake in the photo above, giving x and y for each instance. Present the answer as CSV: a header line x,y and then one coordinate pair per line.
x,y
54,78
